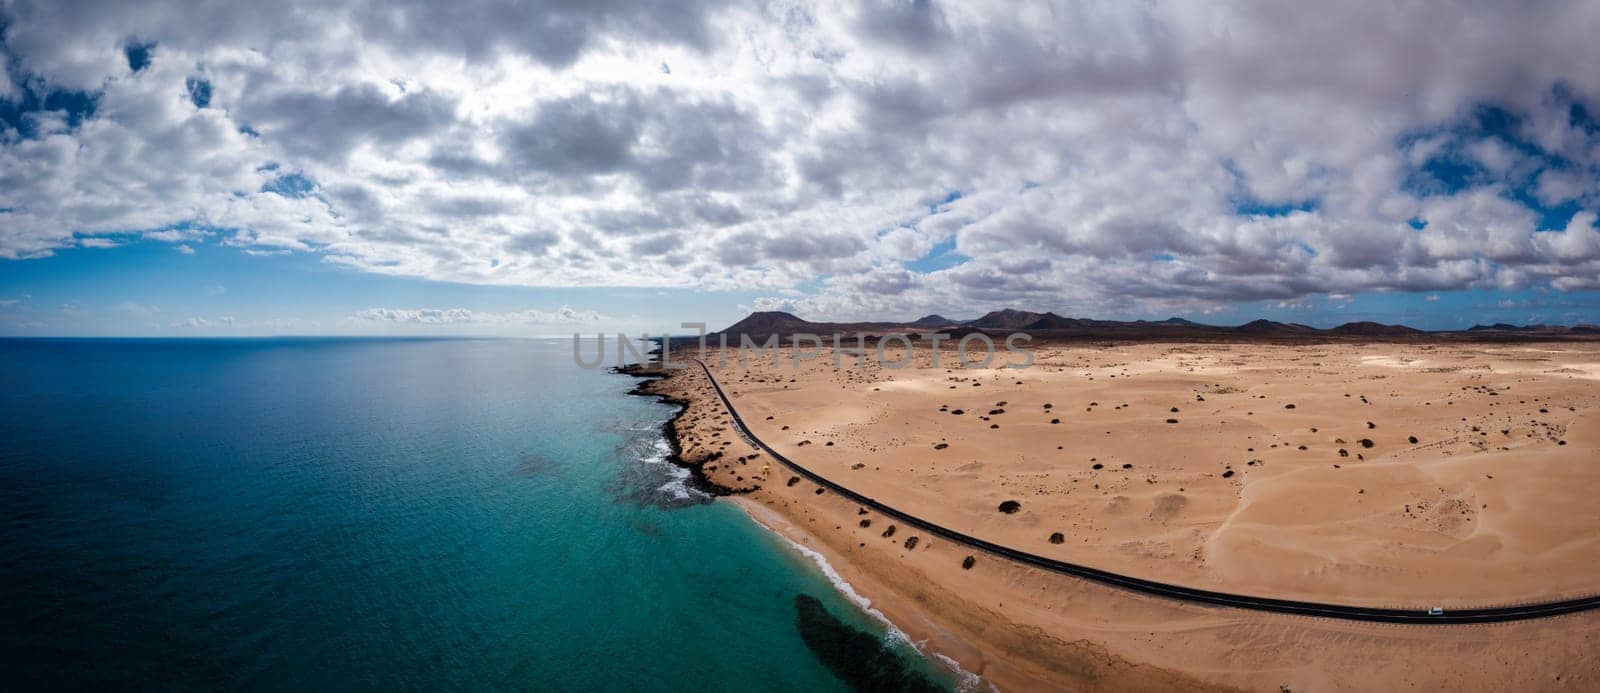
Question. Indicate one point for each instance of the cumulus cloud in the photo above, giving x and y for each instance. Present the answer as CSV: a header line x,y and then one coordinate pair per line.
x,y
462,316
138,309
1087,157
198,323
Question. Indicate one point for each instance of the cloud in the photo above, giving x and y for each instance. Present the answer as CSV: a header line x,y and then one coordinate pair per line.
x,y
461,316
199,323
1092,158
175,235
138,309
7,89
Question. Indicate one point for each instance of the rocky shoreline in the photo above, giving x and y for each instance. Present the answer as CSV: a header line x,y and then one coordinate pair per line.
x,y
699,425
650,386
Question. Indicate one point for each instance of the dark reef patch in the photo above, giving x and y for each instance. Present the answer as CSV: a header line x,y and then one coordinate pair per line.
x,y
861,660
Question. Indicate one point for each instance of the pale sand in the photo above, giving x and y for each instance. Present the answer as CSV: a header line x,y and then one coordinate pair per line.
x,y
1463,517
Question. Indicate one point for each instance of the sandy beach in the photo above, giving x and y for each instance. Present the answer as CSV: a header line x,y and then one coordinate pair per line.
x,y
1406,475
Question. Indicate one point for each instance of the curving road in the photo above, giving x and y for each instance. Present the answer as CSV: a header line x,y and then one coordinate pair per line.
x,y
1187,594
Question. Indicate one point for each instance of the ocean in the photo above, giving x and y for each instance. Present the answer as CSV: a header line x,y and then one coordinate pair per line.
x,y
386,514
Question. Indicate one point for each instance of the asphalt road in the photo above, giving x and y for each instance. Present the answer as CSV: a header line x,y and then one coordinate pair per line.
x,y
1347,612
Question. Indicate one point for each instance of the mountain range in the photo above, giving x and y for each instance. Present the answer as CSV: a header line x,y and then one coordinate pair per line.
x,y
762,324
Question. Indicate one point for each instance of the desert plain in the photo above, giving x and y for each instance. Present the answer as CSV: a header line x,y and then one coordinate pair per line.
x,y
1402,474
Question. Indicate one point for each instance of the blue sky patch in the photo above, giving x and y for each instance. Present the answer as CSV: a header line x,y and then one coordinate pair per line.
x,y
1245,206
1454,167
21,114
941,256
139,55
199,91
290,185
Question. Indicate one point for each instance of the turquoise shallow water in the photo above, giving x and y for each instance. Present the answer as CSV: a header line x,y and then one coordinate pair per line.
x,y
375,514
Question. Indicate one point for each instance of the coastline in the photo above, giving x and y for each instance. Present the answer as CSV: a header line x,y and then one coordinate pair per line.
x,y
929,640
1020,627
979,645
698,480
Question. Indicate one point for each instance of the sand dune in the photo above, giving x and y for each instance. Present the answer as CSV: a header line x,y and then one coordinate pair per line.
x,y
1407,475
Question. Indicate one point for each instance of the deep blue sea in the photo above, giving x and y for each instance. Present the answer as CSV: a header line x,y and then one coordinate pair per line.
x,y
372,514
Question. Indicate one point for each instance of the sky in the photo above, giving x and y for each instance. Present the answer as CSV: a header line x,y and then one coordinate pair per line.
x,y
483,167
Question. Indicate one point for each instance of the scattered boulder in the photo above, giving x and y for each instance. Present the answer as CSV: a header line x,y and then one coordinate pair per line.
x,y
911,543
967,563
889,532
1010,507
1057,538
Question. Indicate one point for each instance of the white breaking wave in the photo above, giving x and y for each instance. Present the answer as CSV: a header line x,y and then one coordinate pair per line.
x,y
656,480
968,681
677,485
